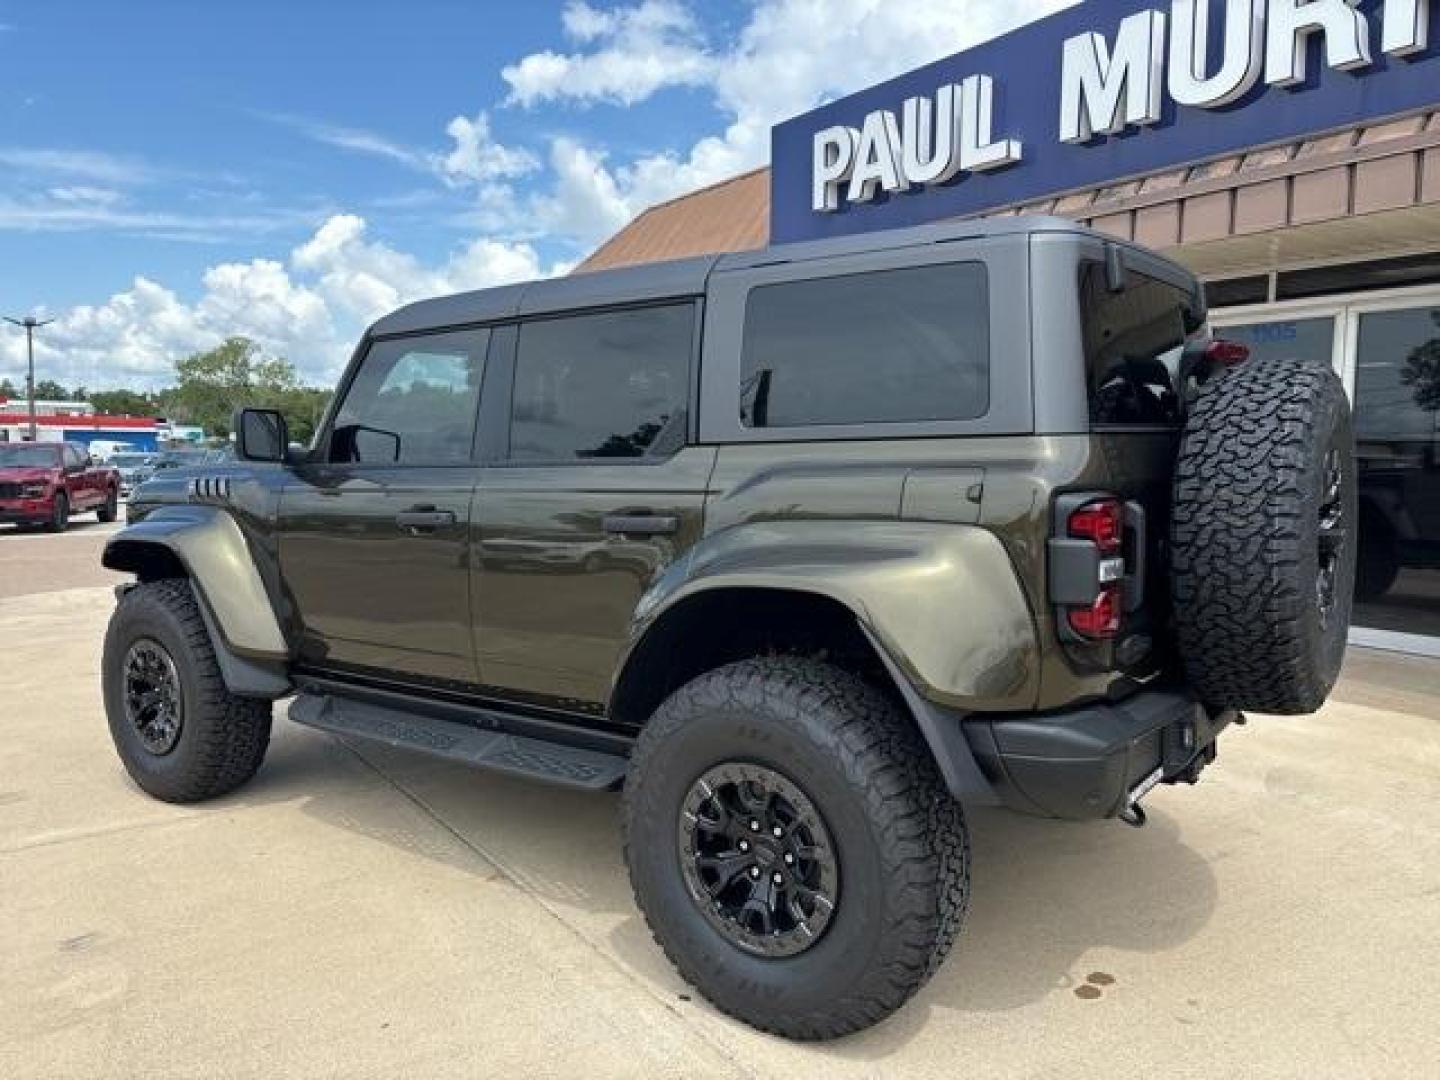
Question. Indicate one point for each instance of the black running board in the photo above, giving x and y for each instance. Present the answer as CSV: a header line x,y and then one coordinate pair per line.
x,y
519,755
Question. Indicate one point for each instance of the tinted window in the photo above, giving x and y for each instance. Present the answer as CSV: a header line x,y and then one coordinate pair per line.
x,y
880,347
29,455
1133,341
413,401
611,384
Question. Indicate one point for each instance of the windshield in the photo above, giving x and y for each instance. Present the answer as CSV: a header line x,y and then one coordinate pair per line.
x,y
180,459
29,455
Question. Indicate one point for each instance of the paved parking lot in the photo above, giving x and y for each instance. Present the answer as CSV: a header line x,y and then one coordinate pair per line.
x,y
357,912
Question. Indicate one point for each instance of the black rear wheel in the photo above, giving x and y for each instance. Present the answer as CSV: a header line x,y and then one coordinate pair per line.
x,y
792,846
110,508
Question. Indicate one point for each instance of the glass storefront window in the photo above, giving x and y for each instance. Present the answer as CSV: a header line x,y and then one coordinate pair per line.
x,y
1311,338
1397,436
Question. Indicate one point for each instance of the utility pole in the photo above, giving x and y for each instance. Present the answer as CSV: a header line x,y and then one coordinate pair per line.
x,y
30,325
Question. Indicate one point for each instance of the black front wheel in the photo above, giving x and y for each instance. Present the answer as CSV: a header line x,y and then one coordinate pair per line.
x,y
180,733
59,514
792,847
110,508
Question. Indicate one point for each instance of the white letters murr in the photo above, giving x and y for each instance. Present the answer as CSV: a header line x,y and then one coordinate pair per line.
x,y
1242,54
1405,28
1347,37
1103,89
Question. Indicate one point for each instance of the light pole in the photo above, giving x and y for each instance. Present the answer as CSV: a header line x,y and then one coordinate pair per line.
x,y
31,324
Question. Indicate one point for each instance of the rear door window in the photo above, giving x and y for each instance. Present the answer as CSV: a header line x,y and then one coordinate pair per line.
x,y
1133,343
611,384
887,346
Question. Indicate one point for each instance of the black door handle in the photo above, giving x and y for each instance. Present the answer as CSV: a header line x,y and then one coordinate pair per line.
x,y
641,524
424,520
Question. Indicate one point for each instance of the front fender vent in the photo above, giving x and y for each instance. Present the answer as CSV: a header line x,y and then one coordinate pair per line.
x,y
210,489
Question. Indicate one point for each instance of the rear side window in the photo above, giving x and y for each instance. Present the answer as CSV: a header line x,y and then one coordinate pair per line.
x,y
611,384
887,346
1133,342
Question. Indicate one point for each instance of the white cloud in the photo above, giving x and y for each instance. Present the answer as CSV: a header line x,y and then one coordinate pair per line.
x,y
82,164
640,49
310,311
585,200
790,56
477,157
356,140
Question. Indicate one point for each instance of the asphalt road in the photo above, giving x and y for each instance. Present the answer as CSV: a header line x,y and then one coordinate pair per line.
x,y
359,912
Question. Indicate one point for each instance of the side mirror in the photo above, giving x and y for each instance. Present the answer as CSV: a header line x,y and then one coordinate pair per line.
x,y
261,435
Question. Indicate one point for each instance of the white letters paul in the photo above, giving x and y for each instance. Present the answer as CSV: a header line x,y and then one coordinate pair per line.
x,y
934,139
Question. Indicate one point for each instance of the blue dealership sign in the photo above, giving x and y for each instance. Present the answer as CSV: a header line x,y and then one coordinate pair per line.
x,y
1095,94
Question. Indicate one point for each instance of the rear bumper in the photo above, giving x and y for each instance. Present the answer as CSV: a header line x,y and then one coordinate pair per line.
x,y
1094,761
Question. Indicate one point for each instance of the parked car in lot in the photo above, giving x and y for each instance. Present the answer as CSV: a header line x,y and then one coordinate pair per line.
x,y
807,548
134,469
46,483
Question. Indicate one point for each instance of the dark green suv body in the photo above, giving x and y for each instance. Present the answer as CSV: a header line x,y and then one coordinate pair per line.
x,y
806,546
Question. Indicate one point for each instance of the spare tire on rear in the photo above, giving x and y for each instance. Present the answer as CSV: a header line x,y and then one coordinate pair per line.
x,y
1262,536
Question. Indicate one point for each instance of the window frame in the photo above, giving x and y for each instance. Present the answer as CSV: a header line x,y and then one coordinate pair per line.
x,y
320,452
498,452
1010,407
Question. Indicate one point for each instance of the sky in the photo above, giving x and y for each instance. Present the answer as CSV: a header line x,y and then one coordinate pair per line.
x,y
173,172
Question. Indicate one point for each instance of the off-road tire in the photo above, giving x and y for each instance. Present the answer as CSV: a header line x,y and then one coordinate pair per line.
x,y
109,510
59,514
1245,545
223,737
904,854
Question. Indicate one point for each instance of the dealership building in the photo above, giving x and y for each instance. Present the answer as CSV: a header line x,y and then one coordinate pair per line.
x,y
1287,151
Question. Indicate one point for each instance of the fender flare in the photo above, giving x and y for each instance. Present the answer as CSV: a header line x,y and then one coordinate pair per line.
x,y
250,645
940,604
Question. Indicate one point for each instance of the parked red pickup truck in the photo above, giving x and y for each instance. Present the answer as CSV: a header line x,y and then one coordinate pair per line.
x,y
44,483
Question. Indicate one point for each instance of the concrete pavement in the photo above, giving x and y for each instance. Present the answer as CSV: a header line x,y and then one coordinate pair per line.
x,y
362,912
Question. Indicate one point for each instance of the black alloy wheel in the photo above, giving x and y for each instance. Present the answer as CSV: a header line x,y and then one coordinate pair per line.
x,y
154,704
758,860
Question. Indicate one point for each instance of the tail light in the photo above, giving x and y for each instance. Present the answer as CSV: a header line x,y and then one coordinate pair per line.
x,y
1102,522
1088,565
1223,353
1101,619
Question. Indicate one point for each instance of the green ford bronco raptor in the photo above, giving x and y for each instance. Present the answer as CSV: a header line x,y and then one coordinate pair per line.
x,y
806,549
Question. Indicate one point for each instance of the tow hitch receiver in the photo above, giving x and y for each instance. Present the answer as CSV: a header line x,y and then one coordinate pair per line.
x,y
1133,813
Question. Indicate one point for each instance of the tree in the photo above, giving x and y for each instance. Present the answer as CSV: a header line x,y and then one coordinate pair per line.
x,y
211,385
7,389
50,390
125,403
1422,371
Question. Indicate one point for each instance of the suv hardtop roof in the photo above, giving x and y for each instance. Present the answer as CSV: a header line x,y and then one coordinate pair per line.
x,y
679,278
